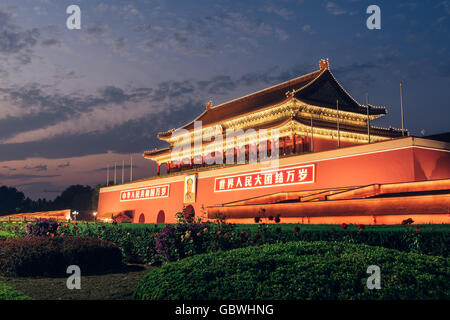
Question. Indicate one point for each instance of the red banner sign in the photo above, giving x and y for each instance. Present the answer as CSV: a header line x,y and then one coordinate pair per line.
x,y
266,178
145,193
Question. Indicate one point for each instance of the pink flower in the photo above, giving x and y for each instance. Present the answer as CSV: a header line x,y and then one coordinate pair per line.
x,y
343,226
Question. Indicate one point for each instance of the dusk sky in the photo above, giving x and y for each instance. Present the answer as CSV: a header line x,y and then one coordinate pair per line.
x,y
73,101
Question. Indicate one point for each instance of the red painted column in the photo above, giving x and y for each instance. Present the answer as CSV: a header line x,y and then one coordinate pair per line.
x,y
168,167
263,149
293,144
247,150
157,169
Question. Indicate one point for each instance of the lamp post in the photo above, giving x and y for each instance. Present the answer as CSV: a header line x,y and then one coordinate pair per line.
x,y
75,214
95,215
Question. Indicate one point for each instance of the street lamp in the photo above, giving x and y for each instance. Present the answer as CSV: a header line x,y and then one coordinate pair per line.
x,y
75,214
95,215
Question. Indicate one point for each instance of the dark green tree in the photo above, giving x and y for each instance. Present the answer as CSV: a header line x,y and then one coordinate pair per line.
x,y
76,197
11,200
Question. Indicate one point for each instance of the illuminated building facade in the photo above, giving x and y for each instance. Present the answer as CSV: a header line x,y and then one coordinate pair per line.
x,y
324,144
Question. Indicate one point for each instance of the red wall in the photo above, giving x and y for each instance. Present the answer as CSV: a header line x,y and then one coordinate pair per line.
x,y
401,165
431,165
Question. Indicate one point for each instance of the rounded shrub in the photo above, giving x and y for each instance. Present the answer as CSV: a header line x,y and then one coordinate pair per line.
x,y
34,256
10,293
299,270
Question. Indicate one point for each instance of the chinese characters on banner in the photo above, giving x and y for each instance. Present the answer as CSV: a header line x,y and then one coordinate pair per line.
x,y
145,193
269,178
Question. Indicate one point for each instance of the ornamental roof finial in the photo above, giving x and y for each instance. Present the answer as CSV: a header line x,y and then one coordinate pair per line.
x,y
209,105
323,64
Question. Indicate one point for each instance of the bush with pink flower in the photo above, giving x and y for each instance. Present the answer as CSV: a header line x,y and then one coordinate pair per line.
x,y
42,228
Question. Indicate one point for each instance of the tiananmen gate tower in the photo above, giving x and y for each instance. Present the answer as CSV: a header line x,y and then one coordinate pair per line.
x,y
304,151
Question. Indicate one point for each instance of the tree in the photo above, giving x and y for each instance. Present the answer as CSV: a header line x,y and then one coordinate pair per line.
x,y
11,200
94,198
76,197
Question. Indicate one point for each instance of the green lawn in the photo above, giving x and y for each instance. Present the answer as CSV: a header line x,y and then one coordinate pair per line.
x,y
8,292
108,286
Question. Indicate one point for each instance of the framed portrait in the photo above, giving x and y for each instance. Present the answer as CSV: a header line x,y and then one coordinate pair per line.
x,y
190,184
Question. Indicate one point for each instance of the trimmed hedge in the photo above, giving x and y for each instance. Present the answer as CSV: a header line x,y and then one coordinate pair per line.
x,y
153,244
299,270
178,241
137,246
16,230
6,235
421,239
35,256
10,293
